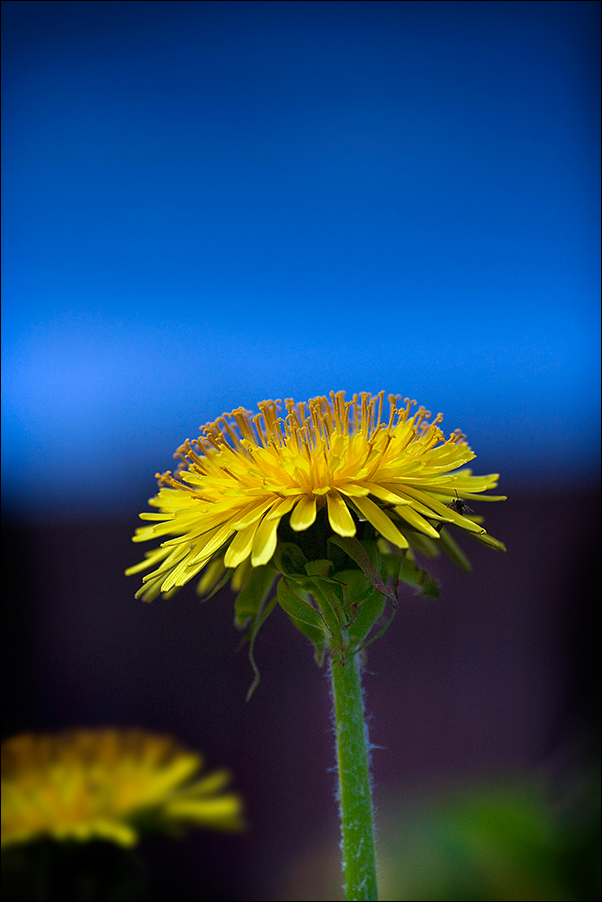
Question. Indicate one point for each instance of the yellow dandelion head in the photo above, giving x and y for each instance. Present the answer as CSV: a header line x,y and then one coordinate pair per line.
x,y
107,784
350,464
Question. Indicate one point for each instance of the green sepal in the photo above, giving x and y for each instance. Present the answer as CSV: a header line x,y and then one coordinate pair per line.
x,y
329,596
252,609
368,558
368,614
319,568
262,615
422,544
225,577
364,605
310,578
251,598
453,551
289,559
356,585
488,540
411,574
304,616
327,588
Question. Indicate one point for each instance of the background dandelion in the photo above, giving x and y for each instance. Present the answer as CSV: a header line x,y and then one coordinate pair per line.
x,y
208,204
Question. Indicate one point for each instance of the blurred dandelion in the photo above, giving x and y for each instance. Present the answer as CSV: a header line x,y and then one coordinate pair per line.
x,y
111,785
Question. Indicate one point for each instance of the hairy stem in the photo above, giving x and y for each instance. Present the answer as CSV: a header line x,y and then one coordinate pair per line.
x,y
355,793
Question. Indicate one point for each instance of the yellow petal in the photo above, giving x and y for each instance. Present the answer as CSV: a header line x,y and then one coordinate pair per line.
x,y
264,543
240,547
380,521
304,513
416,520
339,515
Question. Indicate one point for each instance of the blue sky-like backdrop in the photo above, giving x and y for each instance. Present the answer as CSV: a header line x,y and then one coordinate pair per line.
x,y
206,204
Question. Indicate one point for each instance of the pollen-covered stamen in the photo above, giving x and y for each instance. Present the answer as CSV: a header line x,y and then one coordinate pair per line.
x,y
355,415
365,416
317,421
393,412
430,437
340,411
286,427
300,415
166,479
403,413
210,435
377,404
380,440
243,420
188,455
378,413
458,437
279,440
314,465
302,441
218,434
259,424
294,436
271,429
349,422
418,420
327,424
368,405
294,425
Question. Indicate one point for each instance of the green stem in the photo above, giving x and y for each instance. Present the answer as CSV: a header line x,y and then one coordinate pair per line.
x,y
355,793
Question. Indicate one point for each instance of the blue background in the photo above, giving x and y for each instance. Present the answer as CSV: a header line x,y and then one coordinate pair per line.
x,y
209,204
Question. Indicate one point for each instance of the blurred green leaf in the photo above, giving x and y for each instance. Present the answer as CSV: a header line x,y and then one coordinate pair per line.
x,y
304,616
252,596
362,554
413,575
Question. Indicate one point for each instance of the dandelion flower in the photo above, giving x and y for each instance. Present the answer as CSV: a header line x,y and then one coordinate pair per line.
x,y
328,500
106,784
248,475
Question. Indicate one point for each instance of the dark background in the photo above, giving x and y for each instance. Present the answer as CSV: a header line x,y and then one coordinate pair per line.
x,y
497,680
209,204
